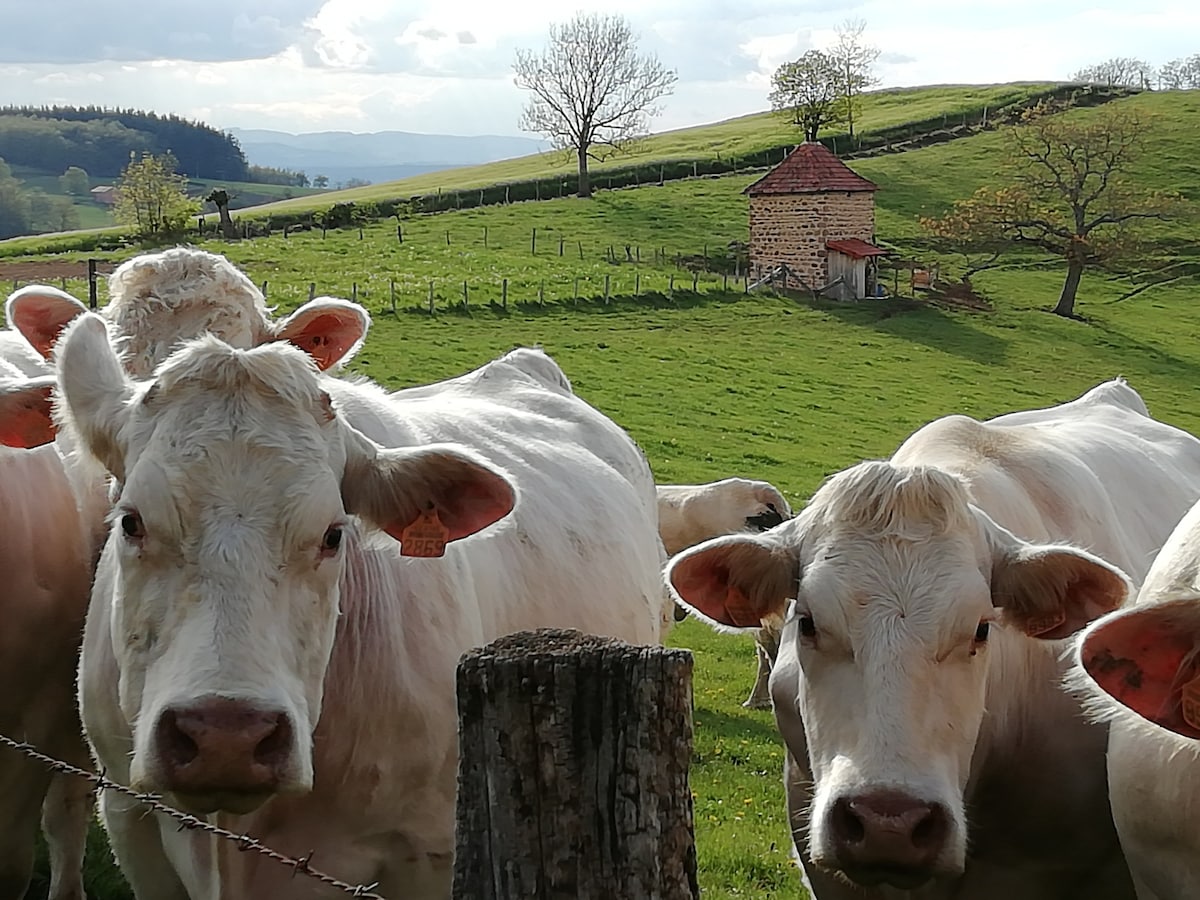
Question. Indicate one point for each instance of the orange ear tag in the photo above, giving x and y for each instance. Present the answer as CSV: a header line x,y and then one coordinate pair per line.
x,y
1041,624
425,537
1190,704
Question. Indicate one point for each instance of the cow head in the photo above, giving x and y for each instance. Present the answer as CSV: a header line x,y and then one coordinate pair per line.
x,y
240,492
158,300
892,583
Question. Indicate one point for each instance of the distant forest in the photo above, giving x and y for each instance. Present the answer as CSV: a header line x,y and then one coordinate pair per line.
x,y
100,141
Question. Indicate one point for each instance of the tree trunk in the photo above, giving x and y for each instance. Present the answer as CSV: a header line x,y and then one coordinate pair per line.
x,y
1066,300
585,185
573,770
228,231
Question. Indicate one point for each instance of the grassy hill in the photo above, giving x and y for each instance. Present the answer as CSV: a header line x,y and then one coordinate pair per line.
x,y
716,383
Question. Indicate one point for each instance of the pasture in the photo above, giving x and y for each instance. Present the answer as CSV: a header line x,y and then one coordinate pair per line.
x,y
719,383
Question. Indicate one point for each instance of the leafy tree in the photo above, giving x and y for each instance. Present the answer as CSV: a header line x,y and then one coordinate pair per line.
x,y
50,213
321,181
856,60
1066,195
1120,71
591,88
15,211
75,181
810,91
152,199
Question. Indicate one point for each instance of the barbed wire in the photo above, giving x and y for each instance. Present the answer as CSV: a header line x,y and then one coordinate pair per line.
x,y
187,821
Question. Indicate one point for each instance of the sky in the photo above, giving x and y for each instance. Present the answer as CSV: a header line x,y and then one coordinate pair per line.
x,y
445,66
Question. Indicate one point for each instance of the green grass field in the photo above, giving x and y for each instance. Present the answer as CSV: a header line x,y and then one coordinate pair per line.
x,y
719,383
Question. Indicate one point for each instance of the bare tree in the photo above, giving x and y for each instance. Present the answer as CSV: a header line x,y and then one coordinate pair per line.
x,y
1066,196
809,91
856,61
590,87
1120,71
1180,74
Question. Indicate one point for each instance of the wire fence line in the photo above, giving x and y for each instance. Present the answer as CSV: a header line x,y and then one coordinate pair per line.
x,y
244,842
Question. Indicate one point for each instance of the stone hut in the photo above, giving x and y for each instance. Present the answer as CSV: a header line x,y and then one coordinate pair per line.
x,y
816,216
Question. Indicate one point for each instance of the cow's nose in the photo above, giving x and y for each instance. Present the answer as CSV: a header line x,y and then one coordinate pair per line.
x,y
222,746
888,836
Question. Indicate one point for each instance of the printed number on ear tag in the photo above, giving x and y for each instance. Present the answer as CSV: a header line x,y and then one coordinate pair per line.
x,y
1191,703
1042,624
425,537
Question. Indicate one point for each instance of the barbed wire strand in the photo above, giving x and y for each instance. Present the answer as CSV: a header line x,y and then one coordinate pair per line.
x,y
187,821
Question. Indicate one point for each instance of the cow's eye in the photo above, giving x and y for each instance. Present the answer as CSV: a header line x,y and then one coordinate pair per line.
x,y
332,539
131,525
808,628
981,633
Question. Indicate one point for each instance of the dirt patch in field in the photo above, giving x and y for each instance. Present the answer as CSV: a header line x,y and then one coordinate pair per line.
x,y
44,270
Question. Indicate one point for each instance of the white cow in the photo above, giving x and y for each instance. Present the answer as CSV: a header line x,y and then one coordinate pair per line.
x,y
932,752
689,514
1140,668
46,564
260,649
54,503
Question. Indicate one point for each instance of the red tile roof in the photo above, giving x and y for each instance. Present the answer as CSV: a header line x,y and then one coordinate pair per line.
x,y
809,169
855,248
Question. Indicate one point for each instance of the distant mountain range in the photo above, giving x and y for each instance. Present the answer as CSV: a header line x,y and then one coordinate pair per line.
x,y
378,156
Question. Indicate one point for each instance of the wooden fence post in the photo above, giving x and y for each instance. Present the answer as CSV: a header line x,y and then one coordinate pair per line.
x,y
504,293
533,242
484,230
431,298
354,291
392,288
573,770
92,301
312,290
606,290
264,288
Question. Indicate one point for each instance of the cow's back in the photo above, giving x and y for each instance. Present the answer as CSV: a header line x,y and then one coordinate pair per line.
x,y
1101,474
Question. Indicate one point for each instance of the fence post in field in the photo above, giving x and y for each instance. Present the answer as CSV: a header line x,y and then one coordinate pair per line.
x,y
466,305
695,280
447,238
724,281
264,289
392,291
606,290
354,291
637,284
561,240
504,293
484,234
573,770
64,283
399,233
360,232
431,298
312,289
577,289
580,249
542,293
91,284
533,242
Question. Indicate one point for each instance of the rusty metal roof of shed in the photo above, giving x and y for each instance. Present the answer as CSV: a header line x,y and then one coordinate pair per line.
x,y
855,248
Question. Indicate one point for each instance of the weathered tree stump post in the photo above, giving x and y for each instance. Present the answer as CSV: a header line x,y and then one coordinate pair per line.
x,y
573,770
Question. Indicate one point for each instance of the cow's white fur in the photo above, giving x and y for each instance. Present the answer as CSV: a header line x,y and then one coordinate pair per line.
x,y
1154,774
689,514
579,550
897,563
46,559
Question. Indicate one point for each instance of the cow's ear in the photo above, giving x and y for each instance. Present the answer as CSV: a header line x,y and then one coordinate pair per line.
x,y
736,581
1148,659
95,390
1051,592
40,313
431,493
329,330
26,412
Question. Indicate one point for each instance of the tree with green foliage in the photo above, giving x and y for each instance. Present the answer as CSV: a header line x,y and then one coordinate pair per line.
x,y
152,198
1066,195
810,92
321,181
75,181
591,88
50,213
15,213
856,65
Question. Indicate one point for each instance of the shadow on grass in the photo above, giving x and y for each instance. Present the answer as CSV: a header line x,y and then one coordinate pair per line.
x,y
921,323
753,724
1113,337
617,304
